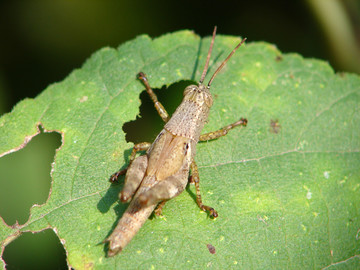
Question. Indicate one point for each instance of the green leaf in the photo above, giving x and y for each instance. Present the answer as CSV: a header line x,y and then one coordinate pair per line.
x,y
287,187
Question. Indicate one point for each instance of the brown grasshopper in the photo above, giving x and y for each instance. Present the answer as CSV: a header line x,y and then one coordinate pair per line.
x,y
162,173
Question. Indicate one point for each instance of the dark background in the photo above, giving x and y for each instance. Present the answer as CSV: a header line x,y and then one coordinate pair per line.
x,y
42,41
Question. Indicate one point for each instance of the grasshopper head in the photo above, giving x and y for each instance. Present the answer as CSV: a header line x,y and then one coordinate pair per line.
x,y
198,94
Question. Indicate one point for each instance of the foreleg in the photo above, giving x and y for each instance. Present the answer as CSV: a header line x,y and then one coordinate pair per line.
x,y
223,131
158,106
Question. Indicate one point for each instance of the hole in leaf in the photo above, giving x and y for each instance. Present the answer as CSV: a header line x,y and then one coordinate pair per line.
x,y
41,250
148,125
25,177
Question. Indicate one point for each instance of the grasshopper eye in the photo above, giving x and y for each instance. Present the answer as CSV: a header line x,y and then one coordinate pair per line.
x,y
189,89
208,100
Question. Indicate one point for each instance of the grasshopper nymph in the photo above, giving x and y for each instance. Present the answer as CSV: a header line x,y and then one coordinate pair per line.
x,y
162,173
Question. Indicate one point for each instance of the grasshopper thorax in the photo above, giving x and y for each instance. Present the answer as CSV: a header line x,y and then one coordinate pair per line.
x,y
191,115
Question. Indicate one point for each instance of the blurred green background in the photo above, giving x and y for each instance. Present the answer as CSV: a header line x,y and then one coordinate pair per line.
x,y
42,41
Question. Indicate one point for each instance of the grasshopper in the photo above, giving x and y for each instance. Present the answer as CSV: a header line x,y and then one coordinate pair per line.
x,y
162,173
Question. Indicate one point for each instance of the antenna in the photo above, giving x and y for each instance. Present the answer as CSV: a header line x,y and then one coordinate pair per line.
x,y
223,63
208,57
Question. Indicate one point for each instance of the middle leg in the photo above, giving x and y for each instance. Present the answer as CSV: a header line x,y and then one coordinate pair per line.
x,y
137,147
195,178
159,208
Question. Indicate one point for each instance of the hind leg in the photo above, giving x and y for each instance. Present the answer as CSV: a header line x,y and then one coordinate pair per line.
x,y
134,176
165,190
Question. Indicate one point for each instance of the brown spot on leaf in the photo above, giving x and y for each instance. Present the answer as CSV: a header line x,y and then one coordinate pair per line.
x,y
275,126
211,248
83,99
278,58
